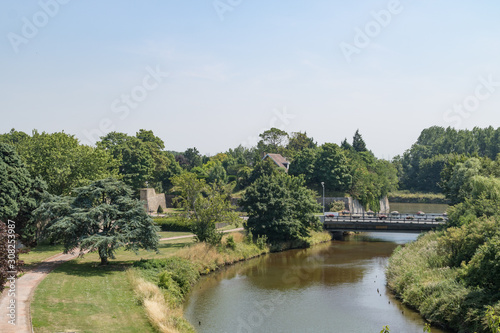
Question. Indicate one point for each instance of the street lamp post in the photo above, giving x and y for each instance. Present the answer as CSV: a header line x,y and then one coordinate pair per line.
x,y
323,185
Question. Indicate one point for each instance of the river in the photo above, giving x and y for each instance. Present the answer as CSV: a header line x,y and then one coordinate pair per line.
x,y
333,287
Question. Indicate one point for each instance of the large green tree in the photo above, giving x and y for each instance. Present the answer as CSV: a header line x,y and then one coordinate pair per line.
x,y
102,217
20,194
273,141
204,206
15,182
418,162
60,160
280,207
358,143
331,167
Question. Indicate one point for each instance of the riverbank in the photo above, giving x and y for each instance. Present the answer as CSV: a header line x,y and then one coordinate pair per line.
x,y
449,277
162,285
418,197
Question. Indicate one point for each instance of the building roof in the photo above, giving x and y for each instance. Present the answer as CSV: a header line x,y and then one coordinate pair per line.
x,y
279,160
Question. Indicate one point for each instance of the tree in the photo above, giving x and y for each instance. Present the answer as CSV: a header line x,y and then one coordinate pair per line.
x,y
264,167
298,142
272,141
193,157
204,206
304,163
280,207
137,163
188,188
346,145
331,167
459,186
217,174
358,143
20,194
60,160
15,182
102,217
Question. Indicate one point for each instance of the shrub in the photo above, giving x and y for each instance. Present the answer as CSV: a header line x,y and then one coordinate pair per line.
x,y
337,206
180,270
230,243
261,241
172,224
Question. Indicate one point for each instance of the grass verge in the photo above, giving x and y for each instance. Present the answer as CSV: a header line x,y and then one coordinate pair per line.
x,y
430,275
417,197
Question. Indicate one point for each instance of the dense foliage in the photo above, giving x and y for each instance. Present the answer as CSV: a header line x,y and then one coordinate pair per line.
x,y
102,217
451,276
20,194
421,165
281,208
204,206
60,160
348,169
142,159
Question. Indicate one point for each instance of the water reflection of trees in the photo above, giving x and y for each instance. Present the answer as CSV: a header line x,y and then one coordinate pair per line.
x,y
326,264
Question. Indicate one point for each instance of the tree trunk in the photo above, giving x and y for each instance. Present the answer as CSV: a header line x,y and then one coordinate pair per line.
x,y
104,261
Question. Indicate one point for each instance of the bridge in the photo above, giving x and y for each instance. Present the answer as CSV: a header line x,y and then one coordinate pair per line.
x,y
403,223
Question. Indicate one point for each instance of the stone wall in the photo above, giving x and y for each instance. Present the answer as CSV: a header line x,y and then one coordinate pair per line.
x,y
152,200
353,205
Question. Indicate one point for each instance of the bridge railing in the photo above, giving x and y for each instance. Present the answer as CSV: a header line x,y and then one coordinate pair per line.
x,y
388,218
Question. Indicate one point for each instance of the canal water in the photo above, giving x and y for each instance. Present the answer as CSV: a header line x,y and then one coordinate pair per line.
x,y
333,287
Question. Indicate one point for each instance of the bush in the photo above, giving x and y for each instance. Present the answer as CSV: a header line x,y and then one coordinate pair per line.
x,y
337,206
178,270
230,243
261,241
172,224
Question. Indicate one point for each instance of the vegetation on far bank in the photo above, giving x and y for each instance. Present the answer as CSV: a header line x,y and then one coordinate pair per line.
x,y
451,276
405,196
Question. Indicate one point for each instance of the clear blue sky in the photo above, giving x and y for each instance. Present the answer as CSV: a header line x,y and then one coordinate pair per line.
x,y
85,67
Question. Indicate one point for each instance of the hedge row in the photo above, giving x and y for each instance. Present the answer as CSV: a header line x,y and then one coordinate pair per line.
x,y
172,224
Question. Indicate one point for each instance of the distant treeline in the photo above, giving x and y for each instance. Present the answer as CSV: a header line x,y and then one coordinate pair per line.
x,y
420,167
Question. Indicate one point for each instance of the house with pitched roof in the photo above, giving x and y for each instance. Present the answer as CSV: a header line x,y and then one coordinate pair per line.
x,y
279,160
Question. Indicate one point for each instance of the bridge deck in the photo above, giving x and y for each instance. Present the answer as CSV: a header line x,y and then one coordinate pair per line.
x,y
381,223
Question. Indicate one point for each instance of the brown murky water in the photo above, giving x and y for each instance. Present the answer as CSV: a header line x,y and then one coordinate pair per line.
x,y
333,287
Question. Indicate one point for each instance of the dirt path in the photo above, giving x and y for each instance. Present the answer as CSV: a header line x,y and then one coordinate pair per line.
x,y
25,288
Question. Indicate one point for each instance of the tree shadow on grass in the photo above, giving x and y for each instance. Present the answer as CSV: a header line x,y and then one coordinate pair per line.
x,y
93,268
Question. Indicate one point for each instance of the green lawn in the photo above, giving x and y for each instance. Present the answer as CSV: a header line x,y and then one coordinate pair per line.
x,y
166,234
81,296
39,254
78,296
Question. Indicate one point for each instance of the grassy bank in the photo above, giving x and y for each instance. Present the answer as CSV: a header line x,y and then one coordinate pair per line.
x,y
133,294
81,296
161,285
417,197
438,275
